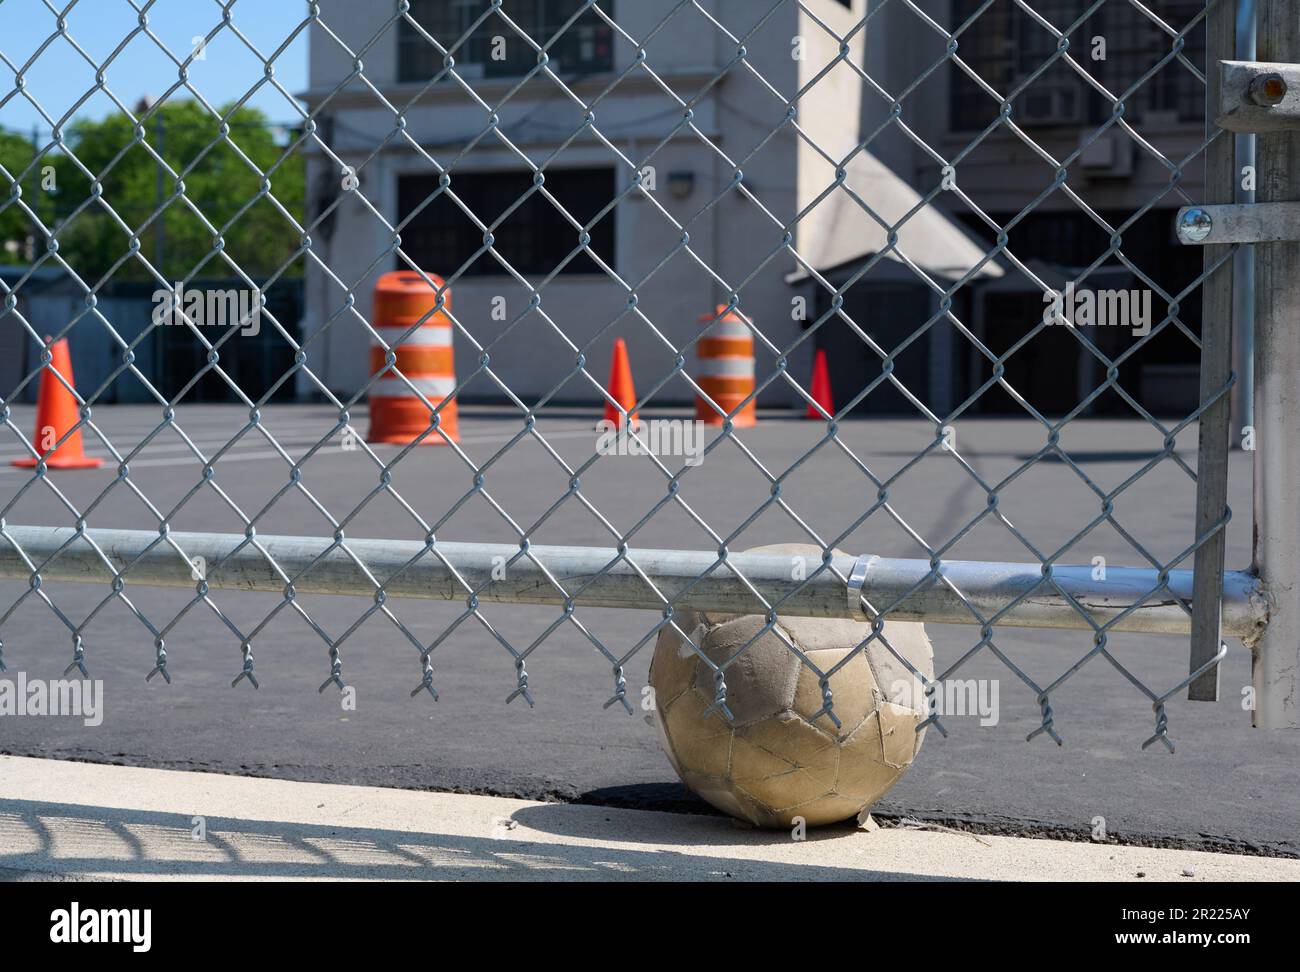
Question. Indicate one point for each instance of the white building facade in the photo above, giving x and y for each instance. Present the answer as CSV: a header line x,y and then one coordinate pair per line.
x,y
738,122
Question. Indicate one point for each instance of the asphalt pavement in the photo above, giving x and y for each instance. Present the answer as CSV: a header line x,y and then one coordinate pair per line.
x,y
1227,786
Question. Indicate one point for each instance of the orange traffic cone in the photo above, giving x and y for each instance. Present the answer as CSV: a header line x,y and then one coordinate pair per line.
x,y
620,387
821,387
56,413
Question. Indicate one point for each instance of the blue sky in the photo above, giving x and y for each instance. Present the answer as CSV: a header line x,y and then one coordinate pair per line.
x,y
61,76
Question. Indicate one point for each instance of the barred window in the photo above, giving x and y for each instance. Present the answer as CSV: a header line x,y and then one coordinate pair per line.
x,y
494,48
1005,46
534,239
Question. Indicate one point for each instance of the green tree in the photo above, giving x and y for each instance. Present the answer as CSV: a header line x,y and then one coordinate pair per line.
x,y
15,226
218,182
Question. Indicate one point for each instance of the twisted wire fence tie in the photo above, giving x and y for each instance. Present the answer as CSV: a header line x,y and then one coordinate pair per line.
x,y
426,681
160,665
78,658
1046,705
719,703
932,707
1162,728
620,691
827,708
1162,718
522,690
247,672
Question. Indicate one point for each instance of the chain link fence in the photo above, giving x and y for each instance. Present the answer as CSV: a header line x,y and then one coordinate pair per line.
x,y
812,174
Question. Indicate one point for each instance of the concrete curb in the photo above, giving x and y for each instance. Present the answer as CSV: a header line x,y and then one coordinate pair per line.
x,y
62,820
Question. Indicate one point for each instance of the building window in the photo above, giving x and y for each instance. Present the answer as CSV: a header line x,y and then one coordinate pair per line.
x,y
534,239
494,48
1004,45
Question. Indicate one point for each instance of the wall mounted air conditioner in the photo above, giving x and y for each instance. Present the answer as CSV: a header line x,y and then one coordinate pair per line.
x,y
1049,104
1109,156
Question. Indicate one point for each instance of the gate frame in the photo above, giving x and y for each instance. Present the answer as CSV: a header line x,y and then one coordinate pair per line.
x,y
1276,399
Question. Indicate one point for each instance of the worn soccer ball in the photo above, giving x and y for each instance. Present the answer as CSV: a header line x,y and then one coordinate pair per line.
x,y
774,762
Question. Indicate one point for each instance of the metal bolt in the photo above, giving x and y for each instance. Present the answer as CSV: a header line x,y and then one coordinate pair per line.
x,y
1267,90
1194,225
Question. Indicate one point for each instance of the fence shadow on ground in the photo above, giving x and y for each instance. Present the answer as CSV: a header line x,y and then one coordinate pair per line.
x,y
57,840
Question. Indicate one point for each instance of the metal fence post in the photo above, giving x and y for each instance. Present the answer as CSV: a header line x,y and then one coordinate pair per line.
x,y
1277,403
1216,376
1243,287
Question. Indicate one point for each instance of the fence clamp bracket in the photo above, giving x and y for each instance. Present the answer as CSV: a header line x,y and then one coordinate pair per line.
x,y
1269,222
1254,97
1258,96
857,580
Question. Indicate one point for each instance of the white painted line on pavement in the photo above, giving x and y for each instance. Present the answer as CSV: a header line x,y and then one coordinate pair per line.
x,y
240,456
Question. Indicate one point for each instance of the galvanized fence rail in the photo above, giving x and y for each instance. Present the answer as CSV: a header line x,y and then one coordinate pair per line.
x,y
1154,594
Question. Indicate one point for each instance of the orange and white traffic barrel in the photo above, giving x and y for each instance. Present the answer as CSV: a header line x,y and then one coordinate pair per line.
x,y
726,369
423,358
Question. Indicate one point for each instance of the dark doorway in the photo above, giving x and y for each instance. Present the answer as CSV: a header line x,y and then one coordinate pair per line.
x,y
889,314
